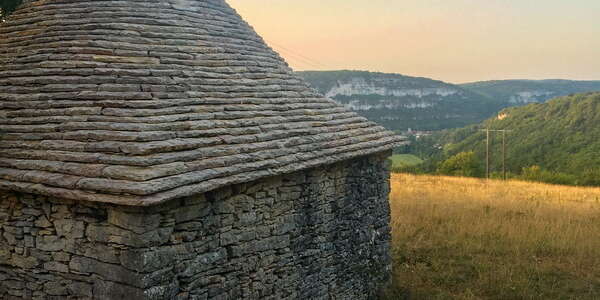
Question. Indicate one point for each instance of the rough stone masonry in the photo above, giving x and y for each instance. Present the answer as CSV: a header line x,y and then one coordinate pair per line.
x,y
160,149
322,233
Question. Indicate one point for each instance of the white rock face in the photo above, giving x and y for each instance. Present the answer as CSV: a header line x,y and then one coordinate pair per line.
x,y
358,86
530,96
386,104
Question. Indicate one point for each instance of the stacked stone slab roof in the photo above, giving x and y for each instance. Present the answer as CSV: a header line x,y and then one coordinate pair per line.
x,y
136,102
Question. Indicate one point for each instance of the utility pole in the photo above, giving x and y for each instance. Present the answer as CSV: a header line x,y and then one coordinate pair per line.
x,y
487,151
504,155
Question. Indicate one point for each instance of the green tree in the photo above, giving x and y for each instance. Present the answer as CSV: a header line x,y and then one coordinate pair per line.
x,y
590,177
536,173
461,164
532,173
7,7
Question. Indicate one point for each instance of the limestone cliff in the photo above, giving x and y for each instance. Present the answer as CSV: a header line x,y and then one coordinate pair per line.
x,y
520,92
401,102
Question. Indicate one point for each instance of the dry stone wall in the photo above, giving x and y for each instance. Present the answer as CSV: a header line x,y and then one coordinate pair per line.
x,y
321,233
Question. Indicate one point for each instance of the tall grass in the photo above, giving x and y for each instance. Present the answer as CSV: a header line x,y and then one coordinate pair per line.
x,y
466,238
405,160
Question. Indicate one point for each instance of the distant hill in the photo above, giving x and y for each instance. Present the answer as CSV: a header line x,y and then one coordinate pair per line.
x,y
561,135
520,92
401,102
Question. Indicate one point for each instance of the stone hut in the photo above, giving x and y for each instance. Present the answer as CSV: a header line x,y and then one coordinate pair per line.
x,y
159,149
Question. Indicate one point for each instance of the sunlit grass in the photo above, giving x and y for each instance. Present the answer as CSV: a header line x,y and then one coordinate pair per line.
x,y
399,160
464,238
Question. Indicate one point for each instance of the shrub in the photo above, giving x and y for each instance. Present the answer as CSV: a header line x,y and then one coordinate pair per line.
x,y
462,164
536,173
589,177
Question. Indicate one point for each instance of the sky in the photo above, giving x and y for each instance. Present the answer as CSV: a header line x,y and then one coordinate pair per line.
x,y
452,40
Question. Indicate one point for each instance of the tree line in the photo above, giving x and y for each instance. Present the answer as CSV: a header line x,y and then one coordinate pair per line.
x,y
555,142
7,7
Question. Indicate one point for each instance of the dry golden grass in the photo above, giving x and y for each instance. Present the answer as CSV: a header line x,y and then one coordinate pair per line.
x,y
465,238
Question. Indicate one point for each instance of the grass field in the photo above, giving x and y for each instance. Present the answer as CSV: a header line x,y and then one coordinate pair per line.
x,y
464,238
400,160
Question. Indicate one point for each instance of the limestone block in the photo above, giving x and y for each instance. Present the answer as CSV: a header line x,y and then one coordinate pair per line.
x,y
50,243
136,222
56,267
42,222
111,290
101,252
80,289
56,288
190,213
69,228
112,234
202,263
115,273
24,262
237,236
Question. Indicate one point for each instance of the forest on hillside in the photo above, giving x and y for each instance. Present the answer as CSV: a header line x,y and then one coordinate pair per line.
x,y
400,102
556,142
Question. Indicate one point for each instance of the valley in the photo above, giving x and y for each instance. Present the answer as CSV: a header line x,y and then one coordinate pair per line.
x,y
555,142
402,103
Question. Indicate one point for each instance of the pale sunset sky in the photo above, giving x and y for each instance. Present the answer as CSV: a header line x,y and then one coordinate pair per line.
x,y
451,40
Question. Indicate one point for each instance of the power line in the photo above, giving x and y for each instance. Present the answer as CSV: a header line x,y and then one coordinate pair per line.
x,y
297,53
487,151
298,56
298,61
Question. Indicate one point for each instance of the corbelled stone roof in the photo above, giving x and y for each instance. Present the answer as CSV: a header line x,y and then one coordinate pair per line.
x,y
137,102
